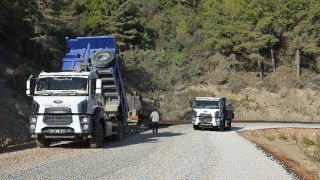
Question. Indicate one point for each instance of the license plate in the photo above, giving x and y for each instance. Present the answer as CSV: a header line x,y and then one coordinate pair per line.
x,y
57,131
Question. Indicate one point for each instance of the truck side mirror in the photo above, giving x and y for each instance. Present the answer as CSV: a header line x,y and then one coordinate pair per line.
x,y
30,86
98,86
192,103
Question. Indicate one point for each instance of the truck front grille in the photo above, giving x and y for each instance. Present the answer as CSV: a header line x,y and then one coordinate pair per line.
x,y
205,118
57,116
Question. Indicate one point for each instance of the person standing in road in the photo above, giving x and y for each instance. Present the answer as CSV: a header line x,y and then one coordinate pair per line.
x,y
154,119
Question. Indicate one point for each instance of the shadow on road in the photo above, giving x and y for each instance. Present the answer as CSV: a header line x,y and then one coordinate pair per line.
x,y
233,128
134,137
147,137
236,128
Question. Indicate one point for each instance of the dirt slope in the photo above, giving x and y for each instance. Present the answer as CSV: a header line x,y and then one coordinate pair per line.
x,y
297,148
14,104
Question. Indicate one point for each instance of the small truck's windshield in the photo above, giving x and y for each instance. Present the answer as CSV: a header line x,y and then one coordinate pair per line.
x,y
206,104
62,84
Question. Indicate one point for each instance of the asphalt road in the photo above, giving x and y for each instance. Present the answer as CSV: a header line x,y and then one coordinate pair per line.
x,y
176,152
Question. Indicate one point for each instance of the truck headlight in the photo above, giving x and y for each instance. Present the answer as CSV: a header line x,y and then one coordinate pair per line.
x,y
33,119
85,127
85,123
85,120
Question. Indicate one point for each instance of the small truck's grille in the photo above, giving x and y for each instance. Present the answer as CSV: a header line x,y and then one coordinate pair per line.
x,y
57,116
205,118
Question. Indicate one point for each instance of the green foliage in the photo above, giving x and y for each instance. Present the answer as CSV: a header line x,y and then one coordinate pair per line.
x,y
307,141
122,19
298,84
20,76
283,137
270,85
294,137
183,35
235,85
13,28
270,138
145,70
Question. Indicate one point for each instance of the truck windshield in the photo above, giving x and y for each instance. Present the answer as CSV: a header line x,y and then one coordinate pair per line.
x,y
206,104
62,84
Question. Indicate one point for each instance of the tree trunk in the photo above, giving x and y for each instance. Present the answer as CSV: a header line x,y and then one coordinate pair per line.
x,y
273,60
298,63
260,66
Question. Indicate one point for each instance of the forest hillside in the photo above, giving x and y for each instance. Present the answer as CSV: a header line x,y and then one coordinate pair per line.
x,y
262,55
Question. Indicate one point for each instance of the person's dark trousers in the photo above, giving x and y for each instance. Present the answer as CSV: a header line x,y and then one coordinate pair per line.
x,y
155,127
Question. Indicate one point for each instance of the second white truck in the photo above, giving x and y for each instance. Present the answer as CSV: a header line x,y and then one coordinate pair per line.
x,y
212,112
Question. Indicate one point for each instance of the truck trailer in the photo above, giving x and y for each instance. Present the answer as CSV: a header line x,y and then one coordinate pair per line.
x,y
140,109
86,100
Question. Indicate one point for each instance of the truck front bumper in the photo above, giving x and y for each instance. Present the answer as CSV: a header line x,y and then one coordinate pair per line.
x,y
205,125
63,136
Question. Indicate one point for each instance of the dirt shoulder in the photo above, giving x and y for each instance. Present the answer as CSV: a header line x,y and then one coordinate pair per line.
x,y
297,148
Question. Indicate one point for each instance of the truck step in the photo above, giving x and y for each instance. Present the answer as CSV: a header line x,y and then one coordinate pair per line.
x,y
109,86
110,94
104,71
107,79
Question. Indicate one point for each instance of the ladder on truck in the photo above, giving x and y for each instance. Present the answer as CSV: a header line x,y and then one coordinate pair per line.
x,y
99,54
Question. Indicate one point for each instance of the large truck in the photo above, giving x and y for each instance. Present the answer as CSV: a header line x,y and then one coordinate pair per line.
x,y
85,101
212,112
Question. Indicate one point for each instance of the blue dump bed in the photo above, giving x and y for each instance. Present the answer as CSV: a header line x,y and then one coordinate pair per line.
x,y
81,49
99,54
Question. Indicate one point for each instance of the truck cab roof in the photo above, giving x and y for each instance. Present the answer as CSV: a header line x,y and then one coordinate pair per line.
x,y
86,74
210,98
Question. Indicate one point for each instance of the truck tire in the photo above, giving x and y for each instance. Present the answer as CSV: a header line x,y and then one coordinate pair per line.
x,y
222,125
43,142
119,135
97,137
102,58
195,127
229,125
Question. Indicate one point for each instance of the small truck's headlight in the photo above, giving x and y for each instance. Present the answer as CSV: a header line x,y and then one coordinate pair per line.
x,y
33,119
85,120
85,127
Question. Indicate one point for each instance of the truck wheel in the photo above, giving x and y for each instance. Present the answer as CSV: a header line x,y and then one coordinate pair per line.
x,y
97,137
102,58
119,135
222,125
229,125
43,142
195,127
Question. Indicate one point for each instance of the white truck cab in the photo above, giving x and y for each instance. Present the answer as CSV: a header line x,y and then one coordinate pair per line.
x,y
211,112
